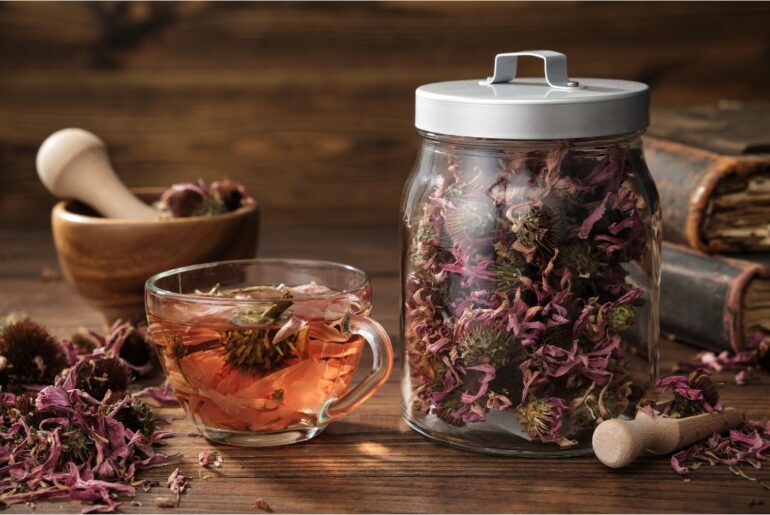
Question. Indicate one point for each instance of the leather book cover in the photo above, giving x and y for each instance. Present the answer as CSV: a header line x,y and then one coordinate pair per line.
x,y
714,302
712,169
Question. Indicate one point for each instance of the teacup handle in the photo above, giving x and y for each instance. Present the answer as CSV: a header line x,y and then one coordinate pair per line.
x,y
382,363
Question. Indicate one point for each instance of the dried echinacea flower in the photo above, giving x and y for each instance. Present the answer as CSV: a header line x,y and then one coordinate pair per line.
x,y
198,199
137,416
25,405
102,375
76,446
508,276
468,220
31,356
68,443
254,350
485,342
621,318
580,260
535,228
184,200
229,193
692,395
542,419
448,410
135,350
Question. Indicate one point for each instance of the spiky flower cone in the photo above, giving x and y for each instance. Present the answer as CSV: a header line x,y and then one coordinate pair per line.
x,y
485,343
253,350
103,375
621,319
542,418
31,356
76,447
535,228
469,220
138,417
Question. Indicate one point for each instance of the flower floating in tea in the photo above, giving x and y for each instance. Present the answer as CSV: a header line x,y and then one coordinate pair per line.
x,y
265,365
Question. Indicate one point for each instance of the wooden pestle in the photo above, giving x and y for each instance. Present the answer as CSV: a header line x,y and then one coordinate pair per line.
x,y
73,163
618,442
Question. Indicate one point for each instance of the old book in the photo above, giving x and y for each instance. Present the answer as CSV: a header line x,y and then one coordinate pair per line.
x,y
712,169
713,301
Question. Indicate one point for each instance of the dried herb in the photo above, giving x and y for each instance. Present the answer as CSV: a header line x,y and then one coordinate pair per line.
x,y
261,504
29,356
747,445
101,376
754,357
517,295
200,199
209,459
136,416
258,350
177,483
71,440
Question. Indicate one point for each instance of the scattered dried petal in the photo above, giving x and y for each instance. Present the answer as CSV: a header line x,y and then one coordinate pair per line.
x,y
261,504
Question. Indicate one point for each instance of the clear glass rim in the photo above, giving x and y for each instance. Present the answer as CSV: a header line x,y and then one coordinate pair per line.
x,y
152,288
469,141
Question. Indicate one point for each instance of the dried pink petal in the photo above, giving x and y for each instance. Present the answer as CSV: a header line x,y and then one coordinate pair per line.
x,y
209,458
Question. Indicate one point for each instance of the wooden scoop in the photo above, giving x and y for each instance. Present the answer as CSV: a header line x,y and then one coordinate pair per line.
x,y
73,163
618,442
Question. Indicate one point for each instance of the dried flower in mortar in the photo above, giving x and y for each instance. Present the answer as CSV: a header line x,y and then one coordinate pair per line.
x,y
200,199
29,356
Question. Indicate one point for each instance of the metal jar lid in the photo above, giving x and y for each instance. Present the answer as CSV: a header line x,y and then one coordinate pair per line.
x,y
553,107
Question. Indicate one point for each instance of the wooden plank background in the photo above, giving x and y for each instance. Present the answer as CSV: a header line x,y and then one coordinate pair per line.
x,y
311,104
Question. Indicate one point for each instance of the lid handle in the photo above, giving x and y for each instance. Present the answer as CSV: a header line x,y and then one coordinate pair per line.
x,y
555,68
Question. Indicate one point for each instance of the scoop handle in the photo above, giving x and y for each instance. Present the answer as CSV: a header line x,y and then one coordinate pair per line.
x,y
73,163
618,442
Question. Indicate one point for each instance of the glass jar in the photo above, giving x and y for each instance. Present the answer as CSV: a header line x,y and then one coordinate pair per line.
x,y
530,262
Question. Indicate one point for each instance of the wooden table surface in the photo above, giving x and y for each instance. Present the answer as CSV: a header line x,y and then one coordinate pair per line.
x,y
370,461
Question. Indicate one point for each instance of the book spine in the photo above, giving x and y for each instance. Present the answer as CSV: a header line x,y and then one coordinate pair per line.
x,y
686,178
701,297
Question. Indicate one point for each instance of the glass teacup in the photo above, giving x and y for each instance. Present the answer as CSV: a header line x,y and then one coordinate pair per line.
x,y
263,352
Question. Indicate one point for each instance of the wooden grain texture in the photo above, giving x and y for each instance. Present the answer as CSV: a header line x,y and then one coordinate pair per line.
x,y
369,461
311,104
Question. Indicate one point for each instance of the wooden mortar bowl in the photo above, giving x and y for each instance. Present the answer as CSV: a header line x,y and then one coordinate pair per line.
x,y
108,260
